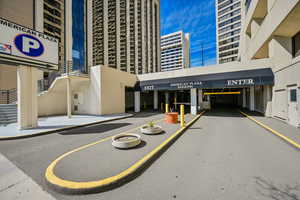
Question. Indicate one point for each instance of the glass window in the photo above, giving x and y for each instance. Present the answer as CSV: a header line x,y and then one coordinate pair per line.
x,y
293,95
79,36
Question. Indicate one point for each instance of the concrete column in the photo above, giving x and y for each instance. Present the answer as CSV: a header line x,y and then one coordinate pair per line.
x,y
167,97
143,38
39,13
137,101
200,99
175,101
252,98
155,100
69,98
153,38
128,35
136,38
69,39
27,97
118,61
105,32
89,30
158,36
194,101
268,99
244,98
148,38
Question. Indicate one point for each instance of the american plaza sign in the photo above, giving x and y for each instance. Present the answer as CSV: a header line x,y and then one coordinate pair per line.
x,y
235,79
199,84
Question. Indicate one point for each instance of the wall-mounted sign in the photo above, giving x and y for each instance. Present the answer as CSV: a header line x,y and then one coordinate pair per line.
x,y
235,79
240,82
148,88
25,46
186,85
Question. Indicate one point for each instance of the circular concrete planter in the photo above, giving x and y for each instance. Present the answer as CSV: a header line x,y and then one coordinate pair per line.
x,y
126,141
151,130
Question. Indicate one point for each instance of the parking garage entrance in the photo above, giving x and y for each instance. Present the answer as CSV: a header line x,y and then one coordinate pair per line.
x,y
249,89
227,97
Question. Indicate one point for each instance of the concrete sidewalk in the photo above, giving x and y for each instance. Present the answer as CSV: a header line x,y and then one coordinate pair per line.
x,y
100,160
14,184
56,123
281,127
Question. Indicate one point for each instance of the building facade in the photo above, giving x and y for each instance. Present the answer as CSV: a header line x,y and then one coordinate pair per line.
x,y
228,24
271,31
12,11
54,25
126,35
175,51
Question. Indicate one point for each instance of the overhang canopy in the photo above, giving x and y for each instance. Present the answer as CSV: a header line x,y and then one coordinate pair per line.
x,y
234,79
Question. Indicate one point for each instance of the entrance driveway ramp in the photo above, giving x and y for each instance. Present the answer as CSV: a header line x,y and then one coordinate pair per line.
x,y
99,166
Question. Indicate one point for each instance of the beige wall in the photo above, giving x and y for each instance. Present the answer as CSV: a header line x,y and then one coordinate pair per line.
x,y
220,68
102,93
90,91
18,11
21,13
8,77
53,101
113,83
268,28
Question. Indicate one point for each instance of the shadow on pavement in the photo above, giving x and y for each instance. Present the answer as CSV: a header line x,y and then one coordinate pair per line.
x,y
224,112
141,145
145,114
282,192
252,113
95,129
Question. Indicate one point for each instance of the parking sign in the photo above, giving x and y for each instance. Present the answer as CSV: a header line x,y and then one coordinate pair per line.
x,y
22,45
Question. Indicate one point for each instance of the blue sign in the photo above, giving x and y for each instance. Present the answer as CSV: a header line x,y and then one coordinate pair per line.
x,y
29,45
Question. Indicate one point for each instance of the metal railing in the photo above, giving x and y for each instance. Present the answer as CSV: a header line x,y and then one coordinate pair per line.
x,y
8,96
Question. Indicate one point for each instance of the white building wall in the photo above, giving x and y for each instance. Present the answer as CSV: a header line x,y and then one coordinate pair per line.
x,y
175,51
226,36
268,29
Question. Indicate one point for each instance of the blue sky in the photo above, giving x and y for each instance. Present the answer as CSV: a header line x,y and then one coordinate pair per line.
x,y
196,17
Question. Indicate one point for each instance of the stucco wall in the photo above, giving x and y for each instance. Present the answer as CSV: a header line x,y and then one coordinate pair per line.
x,y
286,75
91,93
113,83
8,77
53,101
18,11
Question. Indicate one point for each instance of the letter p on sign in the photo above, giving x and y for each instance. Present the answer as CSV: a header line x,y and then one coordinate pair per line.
x,y
29,45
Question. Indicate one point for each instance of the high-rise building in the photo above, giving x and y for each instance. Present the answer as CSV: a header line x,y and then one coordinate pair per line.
x,y
54,25
126,35
228,23
175,51
67,21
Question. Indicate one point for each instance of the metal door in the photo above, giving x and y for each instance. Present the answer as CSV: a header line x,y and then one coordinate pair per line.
x,y
293,106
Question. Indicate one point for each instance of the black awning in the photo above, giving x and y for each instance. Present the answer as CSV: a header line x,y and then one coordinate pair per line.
x,y
235,79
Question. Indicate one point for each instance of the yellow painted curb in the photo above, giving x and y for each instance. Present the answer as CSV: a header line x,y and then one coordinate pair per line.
x,y
59,129
82,186
292,142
